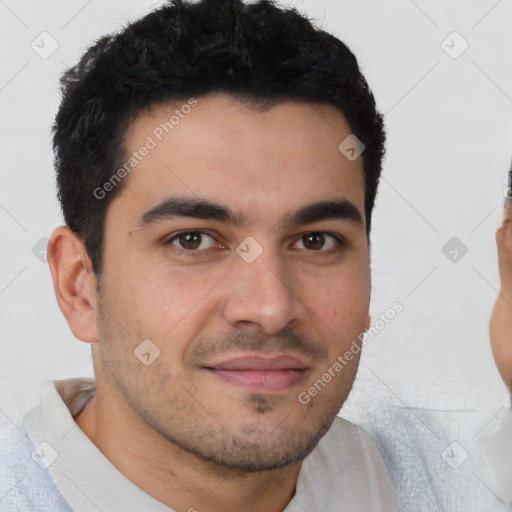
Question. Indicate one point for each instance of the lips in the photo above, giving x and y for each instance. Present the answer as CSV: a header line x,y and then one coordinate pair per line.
x,y
259,363
261,373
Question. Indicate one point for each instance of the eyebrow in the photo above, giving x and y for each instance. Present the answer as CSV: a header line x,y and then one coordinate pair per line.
x,y
338,208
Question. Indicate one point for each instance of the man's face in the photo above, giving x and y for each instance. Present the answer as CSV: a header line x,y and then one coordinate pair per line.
x,y
501,320
246,314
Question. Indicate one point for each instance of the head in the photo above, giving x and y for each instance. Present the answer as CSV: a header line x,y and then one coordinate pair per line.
x,y
212,212
501,319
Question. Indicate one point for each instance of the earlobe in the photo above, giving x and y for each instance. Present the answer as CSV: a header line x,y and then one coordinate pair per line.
x,y
504,244
367,323
74,282
501,342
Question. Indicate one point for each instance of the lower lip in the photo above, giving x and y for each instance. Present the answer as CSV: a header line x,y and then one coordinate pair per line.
x,y
261,380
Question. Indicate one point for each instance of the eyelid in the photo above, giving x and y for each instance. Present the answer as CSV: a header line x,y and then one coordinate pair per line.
x,y
339,239
168,242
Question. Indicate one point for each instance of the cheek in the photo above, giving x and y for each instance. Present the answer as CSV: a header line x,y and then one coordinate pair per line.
x,y
160,295
342,300
341,314
170,307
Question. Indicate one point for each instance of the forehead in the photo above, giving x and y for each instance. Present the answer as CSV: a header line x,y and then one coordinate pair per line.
x,y
263,163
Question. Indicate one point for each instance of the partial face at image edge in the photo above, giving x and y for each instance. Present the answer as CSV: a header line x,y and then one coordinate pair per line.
x,y
501,320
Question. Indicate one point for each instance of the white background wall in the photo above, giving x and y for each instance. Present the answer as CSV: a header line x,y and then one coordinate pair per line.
x,y
449,125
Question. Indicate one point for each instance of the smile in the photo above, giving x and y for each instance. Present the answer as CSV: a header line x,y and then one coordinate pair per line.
x,y
261,374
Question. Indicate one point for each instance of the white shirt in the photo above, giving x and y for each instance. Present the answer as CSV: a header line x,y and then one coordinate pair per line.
x,y
57,467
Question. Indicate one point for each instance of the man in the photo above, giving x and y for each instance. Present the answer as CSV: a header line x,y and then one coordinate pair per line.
x,y
217,165
497,445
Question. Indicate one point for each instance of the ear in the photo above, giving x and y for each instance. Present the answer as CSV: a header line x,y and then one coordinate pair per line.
x,y
504,245
74,282
500,325
500,329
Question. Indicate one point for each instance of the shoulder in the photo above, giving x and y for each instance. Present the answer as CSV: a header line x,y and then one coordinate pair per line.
x,y
432,458
348,458
25,485
350,445
352,441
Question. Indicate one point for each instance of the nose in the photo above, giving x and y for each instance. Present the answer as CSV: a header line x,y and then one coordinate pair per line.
x,y
263,293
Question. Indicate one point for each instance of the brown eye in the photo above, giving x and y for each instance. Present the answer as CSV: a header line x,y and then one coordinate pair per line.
x,y
320,242
314,241
191,240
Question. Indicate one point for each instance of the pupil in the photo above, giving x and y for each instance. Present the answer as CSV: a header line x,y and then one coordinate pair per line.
x,y
190,240
315,240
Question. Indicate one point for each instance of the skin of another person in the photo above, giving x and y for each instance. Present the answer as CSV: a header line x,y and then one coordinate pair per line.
x,y
501,319
186,434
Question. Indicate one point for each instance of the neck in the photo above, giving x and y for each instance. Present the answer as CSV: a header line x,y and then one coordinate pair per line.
x,y
171,475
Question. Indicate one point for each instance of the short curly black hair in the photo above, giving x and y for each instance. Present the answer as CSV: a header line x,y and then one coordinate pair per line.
x,y
259,53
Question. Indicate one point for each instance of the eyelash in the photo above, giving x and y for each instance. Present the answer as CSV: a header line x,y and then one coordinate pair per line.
x,y
341,242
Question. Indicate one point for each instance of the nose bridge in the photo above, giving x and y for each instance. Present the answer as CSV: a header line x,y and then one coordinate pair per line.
x,y
261,290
